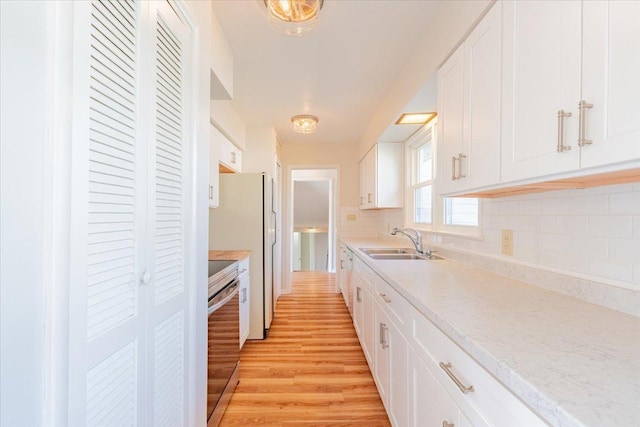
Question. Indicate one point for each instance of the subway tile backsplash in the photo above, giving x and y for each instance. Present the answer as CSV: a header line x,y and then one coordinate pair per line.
x,y
594,231
588,240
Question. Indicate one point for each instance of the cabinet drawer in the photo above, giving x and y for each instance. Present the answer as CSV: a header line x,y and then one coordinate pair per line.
x,y
489,397
392,302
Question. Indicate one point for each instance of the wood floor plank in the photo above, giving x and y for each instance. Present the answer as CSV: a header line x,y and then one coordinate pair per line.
x,y
311,371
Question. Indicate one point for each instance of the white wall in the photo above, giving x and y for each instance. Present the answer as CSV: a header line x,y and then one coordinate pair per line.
x,y
26,37
260,150
345,156
311,204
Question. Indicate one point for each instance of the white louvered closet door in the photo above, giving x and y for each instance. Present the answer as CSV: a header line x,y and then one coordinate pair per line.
x,y
127,295
168,164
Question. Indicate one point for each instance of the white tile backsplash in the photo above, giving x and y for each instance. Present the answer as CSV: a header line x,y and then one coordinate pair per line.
x,y
592,234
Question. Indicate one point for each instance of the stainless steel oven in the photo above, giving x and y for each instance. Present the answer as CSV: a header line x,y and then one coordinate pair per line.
x,y
224,338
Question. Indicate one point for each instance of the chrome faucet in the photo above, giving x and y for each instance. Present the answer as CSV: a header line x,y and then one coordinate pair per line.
x,y
416,239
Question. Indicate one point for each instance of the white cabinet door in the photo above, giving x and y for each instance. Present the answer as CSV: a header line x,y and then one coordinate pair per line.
x,y
382,350
214,172
368,327
382,177
451,119
363,184
482,90
391,370
230,155
541,76
469,89
611,66
369,178
430,405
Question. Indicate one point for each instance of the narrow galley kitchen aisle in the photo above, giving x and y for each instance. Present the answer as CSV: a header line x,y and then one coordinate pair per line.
x,y
310,371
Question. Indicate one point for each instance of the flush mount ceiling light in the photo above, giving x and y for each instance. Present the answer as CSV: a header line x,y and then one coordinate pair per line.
x,y
293,17
415,118
304,123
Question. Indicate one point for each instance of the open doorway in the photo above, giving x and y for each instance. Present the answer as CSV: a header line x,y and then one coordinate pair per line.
x,y
311,229
311,206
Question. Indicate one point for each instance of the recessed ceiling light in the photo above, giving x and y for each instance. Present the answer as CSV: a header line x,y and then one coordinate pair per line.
x,y
304,123
415,118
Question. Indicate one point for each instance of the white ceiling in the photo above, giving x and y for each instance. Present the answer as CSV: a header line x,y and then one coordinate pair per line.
x,y
340,72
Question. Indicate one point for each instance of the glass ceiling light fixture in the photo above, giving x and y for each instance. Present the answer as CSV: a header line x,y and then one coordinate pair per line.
x,y
415,118
304,123
293,17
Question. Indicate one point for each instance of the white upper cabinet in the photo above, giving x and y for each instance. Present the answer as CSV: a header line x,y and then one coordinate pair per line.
x,y
541,80
230,156
381,177
570,87
611,66
469,88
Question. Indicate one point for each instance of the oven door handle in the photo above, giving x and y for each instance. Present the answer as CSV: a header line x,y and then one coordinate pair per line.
x,y
226,299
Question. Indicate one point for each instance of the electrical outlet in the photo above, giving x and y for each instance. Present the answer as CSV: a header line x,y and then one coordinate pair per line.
x,y
507,242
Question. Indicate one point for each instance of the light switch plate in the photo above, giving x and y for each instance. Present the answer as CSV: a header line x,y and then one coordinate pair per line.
x,y
351,217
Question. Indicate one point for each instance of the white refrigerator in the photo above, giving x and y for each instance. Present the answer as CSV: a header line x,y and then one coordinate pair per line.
x,y
246,220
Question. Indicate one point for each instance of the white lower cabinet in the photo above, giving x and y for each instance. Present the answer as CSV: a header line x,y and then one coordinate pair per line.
x,y
245,312
391,374
423,377
430,404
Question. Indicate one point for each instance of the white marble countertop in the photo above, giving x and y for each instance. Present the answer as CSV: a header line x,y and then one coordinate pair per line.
x,y
572,362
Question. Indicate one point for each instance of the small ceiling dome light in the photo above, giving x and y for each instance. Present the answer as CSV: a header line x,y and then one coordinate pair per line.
x,y
293,17
415,118
304,123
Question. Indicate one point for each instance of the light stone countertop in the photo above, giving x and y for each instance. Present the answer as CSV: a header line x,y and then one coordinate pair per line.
x,y
574,363
229,255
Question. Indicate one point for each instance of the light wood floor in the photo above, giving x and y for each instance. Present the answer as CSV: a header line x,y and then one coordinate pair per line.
x,y
311,371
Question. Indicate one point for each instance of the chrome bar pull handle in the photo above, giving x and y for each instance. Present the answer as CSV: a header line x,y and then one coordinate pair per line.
x,y
561,147
358,297
385,297
447,424
369,198
460,157
446,367
453,169
383,335
582,141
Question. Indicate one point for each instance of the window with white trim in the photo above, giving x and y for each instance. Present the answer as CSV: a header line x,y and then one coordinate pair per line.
x,y
420,176
425,209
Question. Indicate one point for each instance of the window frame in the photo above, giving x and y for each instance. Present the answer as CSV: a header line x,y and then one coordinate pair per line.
x,y
429,133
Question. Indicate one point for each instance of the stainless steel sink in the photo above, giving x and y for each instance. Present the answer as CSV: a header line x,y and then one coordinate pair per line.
x,y
396,254
373,251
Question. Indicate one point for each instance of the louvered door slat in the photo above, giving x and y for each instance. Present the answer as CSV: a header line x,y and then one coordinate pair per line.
x,y
169,366
113,377
124,8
